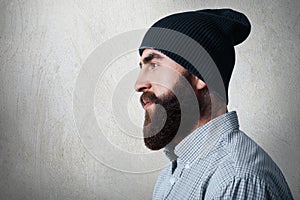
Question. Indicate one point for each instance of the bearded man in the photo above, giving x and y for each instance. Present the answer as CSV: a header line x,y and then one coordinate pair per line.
x,y
186,64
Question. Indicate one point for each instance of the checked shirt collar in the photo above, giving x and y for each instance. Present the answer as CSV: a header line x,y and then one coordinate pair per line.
x,y
201,141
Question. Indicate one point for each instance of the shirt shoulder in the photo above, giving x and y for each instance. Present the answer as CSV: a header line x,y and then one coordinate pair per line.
x,y
246,171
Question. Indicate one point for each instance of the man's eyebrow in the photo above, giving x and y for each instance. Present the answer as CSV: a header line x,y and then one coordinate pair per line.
x,y
148,58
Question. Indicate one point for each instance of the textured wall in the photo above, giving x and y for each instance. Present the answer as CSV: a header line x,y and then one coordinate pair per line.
x,y
44,45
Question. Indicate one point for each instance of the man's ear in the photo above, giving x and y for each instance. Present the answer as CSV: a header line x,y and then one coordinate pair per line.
x,y
199,84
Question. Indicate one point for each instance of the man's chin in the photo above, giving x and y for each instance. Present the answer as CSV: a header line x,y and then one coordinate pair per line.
x,y
158,141
153,147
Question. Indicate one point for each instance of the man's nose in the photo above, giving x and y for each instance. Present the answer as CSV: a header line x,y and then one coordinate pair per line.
x,y
142,84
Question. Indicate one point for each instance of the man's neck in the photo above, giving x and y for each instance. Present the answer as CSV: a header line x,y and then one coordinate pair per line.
x,y
202,121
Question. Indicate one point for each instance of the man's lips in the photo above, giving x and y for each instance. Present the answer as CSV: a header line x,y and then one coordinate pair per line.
x,y
147,99
147,104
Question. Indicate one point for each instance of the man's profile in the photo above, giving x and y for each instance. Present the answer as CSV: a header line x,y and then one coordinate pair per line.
x,y
186,110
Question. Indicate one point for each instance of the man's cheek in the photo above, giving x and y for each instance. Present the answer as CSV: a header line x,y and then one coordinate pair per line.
x,y
165,79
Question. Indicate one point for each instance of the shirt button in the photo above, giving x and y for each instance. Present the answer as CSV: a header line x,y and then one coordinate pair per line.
x,y
172,180
187,165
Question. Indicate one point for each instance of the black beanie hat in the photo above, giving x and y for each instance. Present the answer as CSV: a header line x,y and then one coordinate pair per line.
x,y
217,31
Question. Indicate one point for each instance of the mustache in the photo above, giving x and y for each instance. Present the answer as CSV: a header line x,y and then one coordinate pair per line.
x,y
149,97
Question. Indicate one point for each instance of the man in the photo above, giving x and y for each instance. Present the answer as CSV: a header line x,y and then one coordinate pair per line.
x,y
186,63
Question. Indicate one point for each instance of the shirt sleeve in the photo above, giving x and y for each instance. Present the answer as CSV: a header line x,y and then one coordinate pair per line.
x,y
250,188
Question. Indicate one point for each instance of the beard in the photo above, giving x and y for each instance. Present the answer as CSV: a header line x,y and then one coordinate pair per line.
x,y
164,122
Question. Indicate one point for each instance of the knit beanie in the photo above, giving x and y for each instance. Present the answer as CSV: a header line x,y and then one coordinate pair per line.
x,y
216,32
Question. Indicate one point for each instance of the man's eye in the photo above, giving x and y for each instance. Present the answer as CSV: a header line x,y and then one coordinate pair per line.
x,y
153,65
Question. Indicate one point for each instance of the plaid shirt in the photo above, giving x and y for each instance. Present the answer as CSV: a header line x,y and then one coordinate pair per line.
x,y
218,161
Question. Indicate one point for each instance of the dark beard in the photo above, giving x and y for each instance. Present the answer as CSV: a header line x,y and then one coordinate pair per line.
x,y
168,115
162,124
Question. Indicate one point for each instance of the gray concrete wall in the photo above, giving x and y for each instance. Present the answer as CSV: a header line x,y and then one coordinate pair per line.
x,y
44,44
